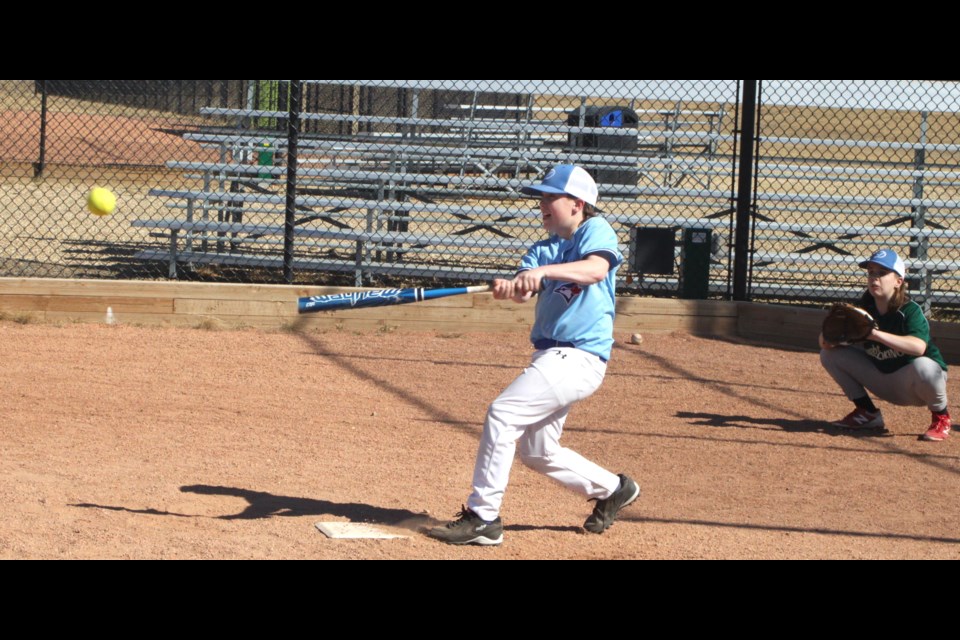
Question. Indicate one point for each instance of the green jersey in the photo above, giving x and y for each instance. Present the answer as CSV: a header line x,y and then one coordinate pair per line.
x,y
908,320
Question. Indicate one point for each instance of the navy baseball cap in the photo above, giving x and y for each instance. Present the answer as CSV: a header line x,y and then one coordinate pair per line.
x,y
568,179
888,259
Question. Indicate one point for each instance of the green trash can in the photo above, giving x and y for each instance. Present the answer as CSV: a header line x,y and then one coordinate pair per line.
x,y
265,158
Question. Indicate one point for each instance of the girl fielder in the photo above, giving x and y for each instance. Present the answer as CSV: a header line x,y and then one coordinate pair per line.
x,y
898,362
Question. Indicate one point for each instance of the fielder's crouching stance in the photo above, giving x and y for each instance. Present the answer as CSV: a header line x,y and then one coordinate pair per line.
x,y
574,274
898,362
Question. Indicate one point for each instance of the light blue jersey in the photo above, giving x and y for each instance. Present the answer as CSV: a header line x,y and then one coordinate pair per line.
x,y
568,312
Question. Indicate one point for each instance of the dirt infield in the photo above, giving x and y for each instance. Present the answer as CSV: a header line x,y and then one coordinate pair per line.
x,y
149,442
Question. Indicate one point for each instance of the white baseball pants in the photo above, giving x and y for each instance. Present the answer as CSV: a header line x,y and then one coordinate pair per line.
x,y
532,410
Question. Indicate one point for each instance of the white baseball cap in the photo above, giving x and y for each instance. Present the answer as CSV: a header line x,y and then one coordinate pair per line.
x,y
568,179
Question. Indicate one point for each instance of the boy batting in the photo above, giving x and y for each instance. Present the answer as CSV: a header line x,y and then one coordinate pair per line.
x,y
573,274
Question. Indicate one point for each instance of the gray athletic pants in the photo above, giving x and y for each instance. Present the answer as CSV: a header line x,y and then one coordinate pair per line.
x,y
922,382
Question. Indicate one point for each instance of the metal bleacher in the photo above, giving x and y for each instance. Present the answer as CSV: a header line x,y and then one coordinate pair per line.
x,y
437,196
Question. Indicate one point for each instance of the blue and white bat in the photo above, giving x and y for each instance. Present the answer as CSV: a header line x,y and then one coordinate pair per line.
x,y
380,297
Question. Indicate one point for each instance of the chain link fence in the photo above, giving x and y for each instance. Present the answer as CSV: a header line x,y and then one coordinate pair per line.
x,y
376,182
844,168
62,138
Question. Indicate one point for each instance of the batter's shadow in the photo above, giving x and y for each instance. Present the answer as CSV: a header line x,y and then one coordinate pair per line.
x,y
267,505
803,425
261,504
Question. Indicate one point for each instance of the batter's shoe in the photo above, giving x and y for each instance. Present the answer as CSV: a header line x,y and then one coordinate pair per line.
x,y
861,419
468,528
605,511
939,428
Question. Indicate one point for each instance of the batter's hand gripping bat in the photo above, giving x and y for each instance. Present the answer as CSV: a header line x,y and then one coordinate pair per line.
x,y
380,297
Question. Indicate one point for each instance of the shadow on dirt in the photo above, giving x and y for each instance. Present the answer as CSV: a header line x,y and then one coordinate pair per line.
x,y
530,527
786,529
268,505
346,363
881,437
780,424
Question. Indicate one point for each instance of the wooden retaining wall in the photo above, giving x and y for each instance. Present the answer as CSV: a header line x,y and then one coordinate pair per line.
x,y
798,327
274,306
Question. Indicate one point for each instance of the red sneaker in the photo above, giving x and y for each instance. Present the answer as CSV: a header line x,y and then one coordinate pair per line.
x,y
861,419
939,428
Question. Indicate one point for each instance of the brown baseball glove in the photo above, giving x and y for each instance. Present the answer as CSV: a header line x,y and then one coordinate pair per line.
x,y
846,323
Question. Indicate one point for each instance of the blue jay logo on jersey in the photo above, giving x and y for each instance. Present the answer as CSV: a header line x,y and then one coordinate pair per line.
x,y
569,291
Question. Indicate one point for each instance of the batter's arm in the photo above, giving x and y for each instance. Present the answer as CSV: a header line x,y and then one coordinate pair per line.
x,y
590,270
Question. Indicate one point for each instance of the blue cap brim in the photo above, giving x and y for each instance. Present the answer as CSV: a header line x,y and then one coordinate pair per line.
x,y
538,189
865,263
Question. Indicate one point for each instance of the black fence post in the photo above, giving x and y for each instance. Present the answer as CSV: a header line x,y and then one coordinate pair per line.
x,y
741,251
293,139
41,162
283,99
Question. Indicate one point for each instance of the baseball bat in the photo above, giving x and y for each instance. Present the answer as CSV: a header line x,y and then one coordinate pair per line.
x,y
380,297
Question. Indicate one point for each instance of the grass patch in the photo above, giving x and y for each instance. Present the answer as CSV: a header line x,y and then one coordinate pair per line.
x,y
24,317
211,324
291,326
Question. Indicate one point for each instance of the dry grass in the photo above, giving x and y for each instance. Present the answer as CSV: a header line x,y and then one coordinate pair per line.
x,y
20,95
211,324
20,317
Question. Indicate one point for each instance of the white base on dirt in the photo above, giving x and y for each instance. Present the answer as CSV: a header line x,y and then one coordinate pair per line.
x,y
354,530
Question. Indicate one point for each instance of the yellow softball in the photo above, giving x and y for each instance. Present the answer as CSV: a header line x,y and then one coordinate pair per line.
x,y
101,201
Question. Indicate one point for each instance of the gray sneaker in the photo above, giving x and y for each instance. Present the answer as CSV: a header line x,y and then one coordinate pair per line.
x,y
605,511
468,528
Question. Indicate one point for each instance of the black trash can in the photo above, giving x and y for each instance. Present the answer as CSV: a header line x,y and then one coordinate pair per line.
x,y
612,172
652,250
695,264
